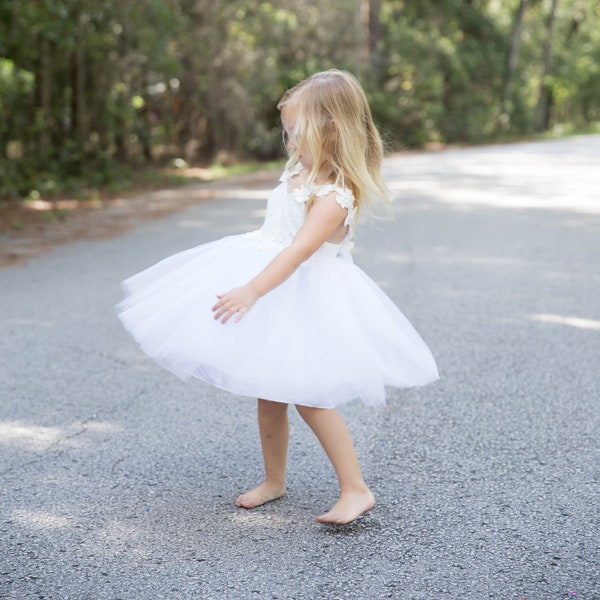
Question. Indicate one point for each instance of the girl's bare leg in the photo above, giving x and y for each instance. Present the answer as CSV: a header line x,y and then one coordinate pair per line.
x,y
331,430
274,435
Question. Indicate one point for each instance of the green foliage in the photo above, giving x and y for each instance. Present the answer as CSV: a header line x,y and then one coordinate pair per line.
x,y
90,91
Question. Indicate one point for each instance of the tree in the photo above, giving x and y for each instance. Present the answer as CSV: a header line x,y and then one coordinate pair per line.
x,y
513,59
90,89
545,96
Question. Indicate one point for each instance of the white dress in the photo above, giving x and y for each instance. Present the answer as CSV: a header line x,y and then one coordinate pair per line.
x,y
323,337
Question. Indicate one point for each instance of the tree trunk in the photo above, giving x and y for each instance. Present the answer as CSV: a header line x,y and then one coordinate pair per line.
x,y
78,124
375,36
369,35
513,59
375,28
545,98
362,14
44,98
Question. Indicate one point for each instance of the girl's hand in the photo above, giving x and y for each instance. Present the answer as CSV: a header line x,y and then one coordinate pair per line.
x,y
237,301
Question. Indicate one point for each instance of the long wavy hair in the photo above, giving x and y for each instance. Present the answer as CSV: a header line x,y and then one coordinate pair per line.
x,y
335,126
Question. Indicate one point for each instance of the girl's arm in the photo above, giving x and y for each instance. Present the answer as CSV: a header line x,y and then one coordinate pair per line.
x,y
323,219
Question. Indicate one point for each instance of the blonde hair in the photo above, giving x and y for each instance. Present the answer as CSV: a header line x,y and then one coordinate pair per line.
x,y
334,125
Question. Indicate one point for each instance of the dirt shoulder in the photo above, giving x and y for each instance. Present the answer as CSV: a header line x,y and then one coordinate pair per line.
x,y
72,220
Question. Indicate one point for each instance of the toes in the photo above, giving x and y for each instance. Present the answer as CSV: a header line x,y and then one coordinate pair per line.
x,y
323,518
245,502
259,496
345,512
329,519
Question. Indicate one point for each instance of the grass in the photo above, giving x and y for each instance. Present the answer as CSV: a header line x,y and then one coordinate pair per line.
x,y
135,181
558,131
53,202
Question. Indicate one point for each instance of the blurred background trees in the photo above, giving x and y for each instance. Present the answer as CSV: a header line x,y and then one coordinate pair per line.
x,y
89,88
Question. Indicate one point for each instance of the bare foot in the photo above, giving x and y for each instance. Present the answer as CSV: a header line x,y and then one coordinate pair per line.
x,y
265,492
348,508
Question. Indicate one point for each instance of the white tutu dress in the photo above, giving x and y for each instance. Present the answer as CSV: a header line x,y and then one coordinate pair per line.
x,y
323,337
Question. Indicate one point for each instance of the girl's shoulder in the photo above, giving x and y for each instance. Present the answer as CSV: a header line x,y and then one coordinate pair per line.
x,y
338,193
342,195
303,193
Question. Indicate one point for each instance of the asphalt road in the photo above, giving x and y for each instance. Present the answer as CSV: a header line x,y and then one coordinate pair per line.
x,y
117,480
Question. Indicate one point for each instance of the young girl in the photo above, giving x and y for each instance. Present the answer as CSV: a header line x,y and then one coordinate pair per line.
x,y
300,323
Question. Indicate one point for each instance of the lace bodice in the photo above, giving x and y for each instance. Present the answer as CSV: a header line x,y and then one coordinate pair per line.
x,y
286,211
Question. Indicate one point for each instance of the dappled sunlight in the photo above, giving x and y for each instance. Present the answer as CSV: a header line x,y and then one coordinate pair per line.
x,y
33,437
39,437
514,177
100,426
244,193
166,195
397,257
258,519
166,198
39,519
577,322
443,257
576,197
45,205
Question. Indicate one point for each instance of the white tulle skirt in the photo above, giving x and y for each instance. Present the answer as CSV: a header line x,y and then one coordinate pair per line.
x,y
325,336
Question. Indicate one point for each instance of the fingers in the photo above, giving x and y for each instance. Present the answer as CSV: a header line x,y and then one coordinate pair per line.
x,y
228,313
234,303
221,303
225,309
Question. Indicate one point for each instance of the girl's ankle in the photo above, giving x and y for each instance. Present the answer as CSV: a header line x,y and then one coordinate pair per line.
x,y
274,483
355,489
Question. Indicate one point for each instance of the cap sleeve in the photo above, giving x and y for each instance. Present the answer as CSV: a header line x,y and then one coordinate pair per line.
x,y
343,196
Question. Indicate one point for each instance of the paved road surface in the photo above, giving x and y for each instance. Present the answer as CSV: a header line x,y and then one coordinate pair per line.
x,y
117,480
